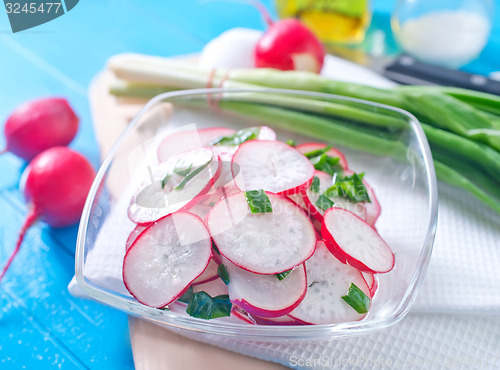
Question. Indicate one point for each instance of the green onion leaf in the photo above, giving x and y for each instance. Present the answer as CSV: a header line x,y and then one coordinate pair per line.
x,y
190,175
324,203
357,299
181,168
350,187
317,153
258,201
165,180
283,274
186,297
315,185
291,142
327,164
238,137
203,306
223,274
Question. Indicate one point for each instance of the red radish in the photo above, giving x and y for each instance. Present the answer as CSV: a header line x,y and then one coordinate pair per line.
x,y
298,200
325,181
263,243
166,258
208,275
288,45
335,153
371,281
328,280
266,133
39,125
56,184
154,200
134,234
282,320
241,316
373,208
266,295
182,141
213,288
271,165
354,241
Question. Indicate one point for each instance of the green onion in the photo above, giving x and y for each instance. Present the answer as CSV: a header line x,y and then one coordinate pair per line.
x,y
357,299
317,152
190,175
315,185
324,203
203,306
350,187
182,169
283,274
186,297
258,201
223,274
238,137
291,142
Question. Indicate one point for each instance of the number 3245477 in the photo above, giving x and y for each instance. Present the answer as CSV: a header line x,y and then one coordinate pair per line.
x,y
32,8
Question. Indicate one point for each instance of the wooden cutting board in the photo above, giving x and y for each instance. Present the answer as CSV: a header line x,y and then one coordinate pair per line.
x,y
155,347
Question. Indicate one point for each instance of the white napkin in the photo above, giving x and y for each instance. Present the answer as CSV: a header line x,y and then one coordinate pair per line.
x,y
462,276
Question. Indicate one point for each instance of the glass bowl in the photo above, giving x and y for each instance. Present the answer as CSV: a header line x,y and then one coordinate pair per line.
x,y
386,143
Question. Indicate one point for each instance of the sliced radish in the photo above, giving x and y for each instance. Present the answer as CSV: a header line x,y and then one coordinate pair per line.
x,y
182,141
209,274
266,295
241,316
352,240
282,320
373,208
134,234
298,200
335,153
371,281
166,258
152,201
271,165
328,280
213,288
266,133
263,243
325,181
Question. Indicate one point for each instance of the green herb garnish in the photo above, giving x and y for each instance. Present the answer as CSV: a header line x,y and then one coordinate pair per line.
x,y
318,152
238,137
357,299
350,187
283,274
324,203
291,142
327,164
165,180
182,169
186,297
223,274
190,175
315,185
203,306
258,201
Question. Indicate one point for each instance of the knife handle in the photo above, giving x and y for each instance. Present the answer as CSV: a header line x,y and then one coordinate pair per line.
x,y
408,71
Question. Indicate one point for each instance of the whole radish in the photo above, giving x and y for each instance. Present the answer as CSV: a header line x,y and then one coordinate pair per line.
x,y
288,45
39,125
56,185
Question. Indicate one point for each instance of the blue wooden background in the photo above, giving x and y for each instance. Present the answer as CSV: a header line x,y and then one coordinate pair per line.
x,y
41,325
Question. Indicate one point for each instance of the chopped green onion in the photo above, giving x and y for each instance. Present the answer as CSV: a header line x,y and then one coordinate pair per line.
x,y
283,274
315,185
190,175
317,153
182,169
238,137
186,297
291,142
350,187
258,201
324,203
203,306
223,274
327,164
165,180
357,299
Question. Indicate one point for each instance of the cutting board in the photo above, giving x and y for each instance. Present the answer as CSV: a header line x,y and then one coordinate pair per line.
x,y
154,347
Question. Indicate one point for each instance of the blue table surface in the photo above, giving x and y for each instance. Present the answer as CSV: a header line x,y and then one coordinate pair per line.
x,y
41,324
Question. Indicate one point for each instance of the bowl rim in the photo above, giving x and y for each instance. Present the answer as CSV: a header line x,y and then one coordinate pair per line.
x,y
269,332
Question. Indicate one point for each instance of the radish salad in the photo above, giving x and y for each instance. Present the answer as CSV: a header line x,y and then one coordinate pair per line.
x,y
236,225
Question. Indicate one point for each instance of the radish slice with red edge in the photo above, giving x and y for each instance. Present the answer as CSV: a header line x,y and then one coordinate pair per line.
x,y
208,275
373,209
371,281
311,198
263,243
328,281
213,288
183,141
266,295
271,165
282,320
159,198
134,234
165,258
354,241
335,153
